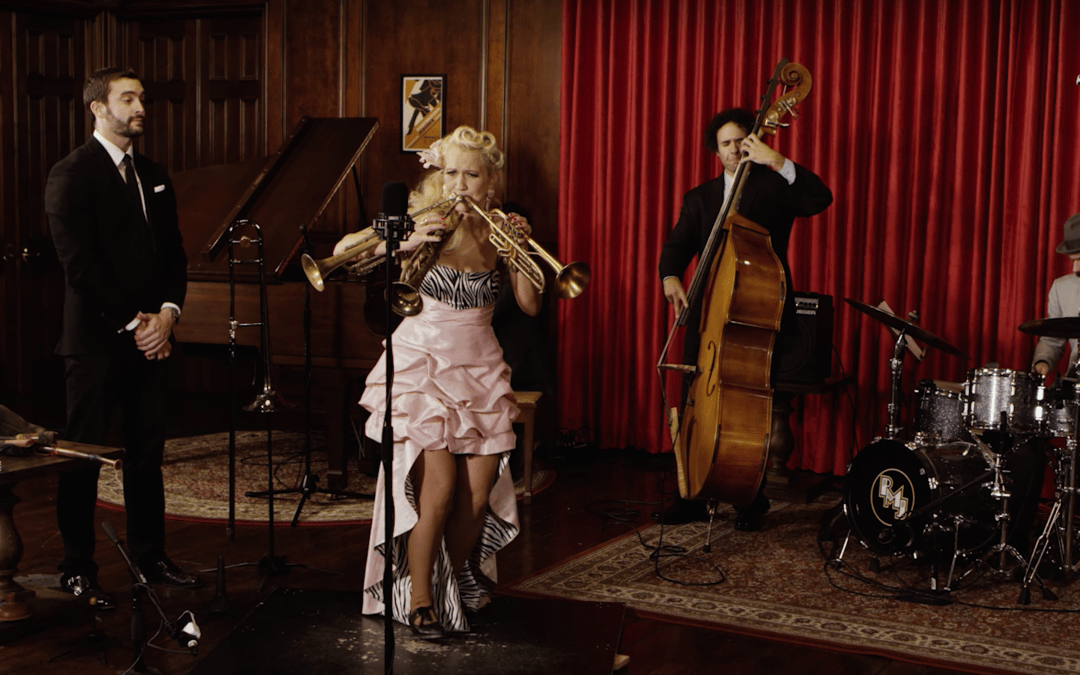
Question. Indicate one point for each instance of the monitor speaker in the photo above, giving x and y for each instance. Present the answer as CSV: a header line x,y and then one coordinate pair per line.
x,y
805,350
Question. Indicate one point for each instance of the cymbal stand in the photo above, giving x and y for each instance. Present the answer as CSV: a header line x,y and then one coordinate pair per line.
x,y
1070,486
896,367
1003,548
1070,496
1062,524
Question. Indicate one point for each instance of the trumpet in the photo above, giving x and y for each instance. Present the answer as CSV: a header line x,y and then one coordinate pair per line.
x,y
570,280
405,299
317,270
116,464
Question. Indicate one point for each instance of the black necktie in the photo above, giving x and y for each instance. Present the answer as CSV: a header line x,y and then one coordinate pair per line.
x,y
133,186
136,195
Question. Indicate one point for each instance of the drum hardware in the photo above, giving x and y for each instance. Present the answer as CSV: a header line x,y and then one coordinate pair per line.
x,y
1003,549
1070,491
904,328
1057,522
1065,398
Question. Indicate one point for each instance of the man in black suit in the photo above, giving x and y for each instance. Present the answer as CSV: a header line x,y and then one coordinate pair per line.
x,y
776,192
112,214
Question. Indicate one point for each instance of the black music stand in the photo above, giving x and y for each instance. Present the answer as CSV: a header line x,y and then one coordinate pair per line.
x,y
266,402
309,484
312,162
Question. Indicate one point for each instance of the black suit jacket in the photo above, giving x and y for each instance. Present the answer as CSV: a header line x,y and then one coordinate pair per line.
x,y
115,266
768,200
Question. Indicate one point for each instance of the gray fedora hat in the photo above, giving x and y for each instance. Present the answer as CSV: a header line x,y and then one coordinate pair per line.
x,y
1071,244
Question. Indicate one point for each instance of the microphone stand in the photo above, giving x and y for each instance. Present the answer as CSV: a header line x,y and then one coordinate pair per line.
x,y
139,586
392,230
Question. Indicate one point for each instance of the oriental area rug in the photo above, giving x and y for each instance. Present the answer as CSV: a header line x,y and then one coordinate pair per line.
x,y
197,486
776,584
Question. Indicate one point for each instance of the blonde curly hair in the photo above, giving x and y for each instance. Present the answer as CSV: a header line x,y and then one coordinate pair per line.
x,y
430,189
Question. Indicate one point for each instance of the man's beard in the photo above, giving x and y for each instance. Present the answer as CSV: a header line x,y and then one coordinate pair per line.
x,y
125,129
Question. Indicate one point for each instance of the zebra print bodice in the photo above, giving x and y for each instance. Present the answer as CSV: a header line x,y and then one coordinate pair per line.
x,y
461,290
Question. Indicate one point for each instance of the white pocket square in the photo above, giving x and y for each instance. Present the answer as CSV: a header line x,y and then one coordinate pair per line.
x,y
159,188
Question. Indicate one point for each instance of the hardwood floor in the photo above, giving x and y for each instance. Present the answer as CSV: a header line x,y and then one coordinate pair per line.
x,y
561,521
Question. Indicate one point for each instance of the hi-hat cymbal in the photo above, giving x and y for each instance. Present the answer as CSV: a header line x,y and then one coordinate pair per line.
x,y
908,327
1061,327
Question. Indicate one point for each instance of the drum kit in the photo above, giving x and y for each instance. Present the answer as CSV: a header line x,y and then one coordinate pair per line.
x,y
950,492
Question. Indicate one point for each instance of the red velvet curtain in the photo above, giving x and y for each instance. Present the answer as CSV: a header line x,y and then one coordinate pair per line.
x,y
946,129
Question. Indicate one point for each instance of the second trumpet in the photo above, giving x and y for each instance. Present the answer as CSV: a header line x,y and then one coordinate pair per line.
x,y
570,280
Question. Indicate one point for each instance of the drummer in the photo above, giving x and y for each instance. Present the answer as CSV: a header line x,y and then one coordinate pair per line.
x,y
1064,300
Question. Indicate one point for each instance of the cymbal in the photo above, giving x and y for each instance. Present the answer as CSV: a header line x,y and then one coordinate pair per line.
x,y
908,327
1062,327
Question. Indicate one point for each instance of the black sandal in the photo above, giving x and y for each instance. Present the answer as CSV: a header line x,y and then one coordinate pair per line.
x,y
425,624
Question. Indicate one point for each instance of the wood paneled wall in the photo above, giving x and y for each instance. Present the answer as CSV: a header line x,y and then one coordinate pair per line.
x,y
226,81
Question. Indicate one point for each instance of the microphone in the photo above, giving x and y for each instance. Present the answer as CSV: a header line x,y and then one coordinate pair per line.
x,y
393,223
395,199
189,633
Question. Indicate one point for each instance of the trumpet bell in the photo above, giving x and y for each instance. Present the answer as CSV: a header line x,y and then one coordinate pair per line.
x,y
405,300
571,281
313,272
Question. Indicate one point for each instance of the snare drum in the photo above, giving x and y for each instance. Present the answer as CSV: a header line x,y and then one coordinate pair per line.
x,y
998,399
939,412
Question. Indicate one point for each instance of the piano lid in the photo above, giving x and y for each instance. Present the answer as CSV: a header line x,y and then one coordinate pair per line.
x,y
280,193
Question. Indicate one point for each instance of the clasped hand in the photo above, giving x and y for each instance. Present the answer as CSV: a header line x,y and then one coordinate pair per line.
x,y
152,334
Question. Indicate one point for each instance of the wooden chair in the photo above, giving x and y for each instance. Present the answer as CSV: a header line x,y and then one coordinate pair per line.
x,y
526,401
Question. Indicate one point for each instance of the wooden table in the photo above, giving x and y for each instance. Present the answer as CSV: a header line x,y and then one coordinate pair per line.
x,y
16,599
780,482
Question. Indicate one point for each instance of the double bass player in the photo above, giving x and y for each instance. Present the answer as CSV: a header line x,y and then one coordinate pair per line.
x,y
776,191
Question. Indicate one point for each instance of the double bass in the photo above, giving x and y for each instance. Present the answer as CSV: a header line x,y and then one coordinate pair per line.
x,y
721,439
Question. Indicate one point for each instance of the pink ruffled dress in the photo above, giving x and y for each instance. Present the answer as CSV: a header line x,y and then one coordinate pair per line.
x,y
451,389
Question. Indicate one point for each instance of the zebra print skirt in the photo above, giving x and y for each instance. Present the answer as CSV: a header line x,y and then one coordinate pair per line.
x,y
451,390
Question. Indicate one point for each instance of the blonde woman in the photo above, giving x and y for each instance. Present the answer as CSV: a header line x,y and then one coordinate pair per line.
x,y
452,408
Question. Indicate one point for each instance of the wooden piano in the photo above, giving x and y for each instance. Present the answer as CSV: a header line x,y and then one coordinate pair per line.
x,y
281,193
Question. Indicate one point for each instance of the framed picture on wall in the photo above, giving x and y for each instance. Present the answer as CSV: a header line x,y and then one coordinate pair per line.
x,y
422,120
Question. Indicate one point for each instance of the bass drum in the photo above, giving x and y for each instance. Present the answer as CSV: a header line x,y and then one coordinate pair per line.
x,y
889,484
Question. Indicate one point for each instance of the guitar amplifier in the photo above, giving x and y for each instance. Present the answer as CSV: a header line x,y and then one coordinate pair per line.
x,y
805,349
